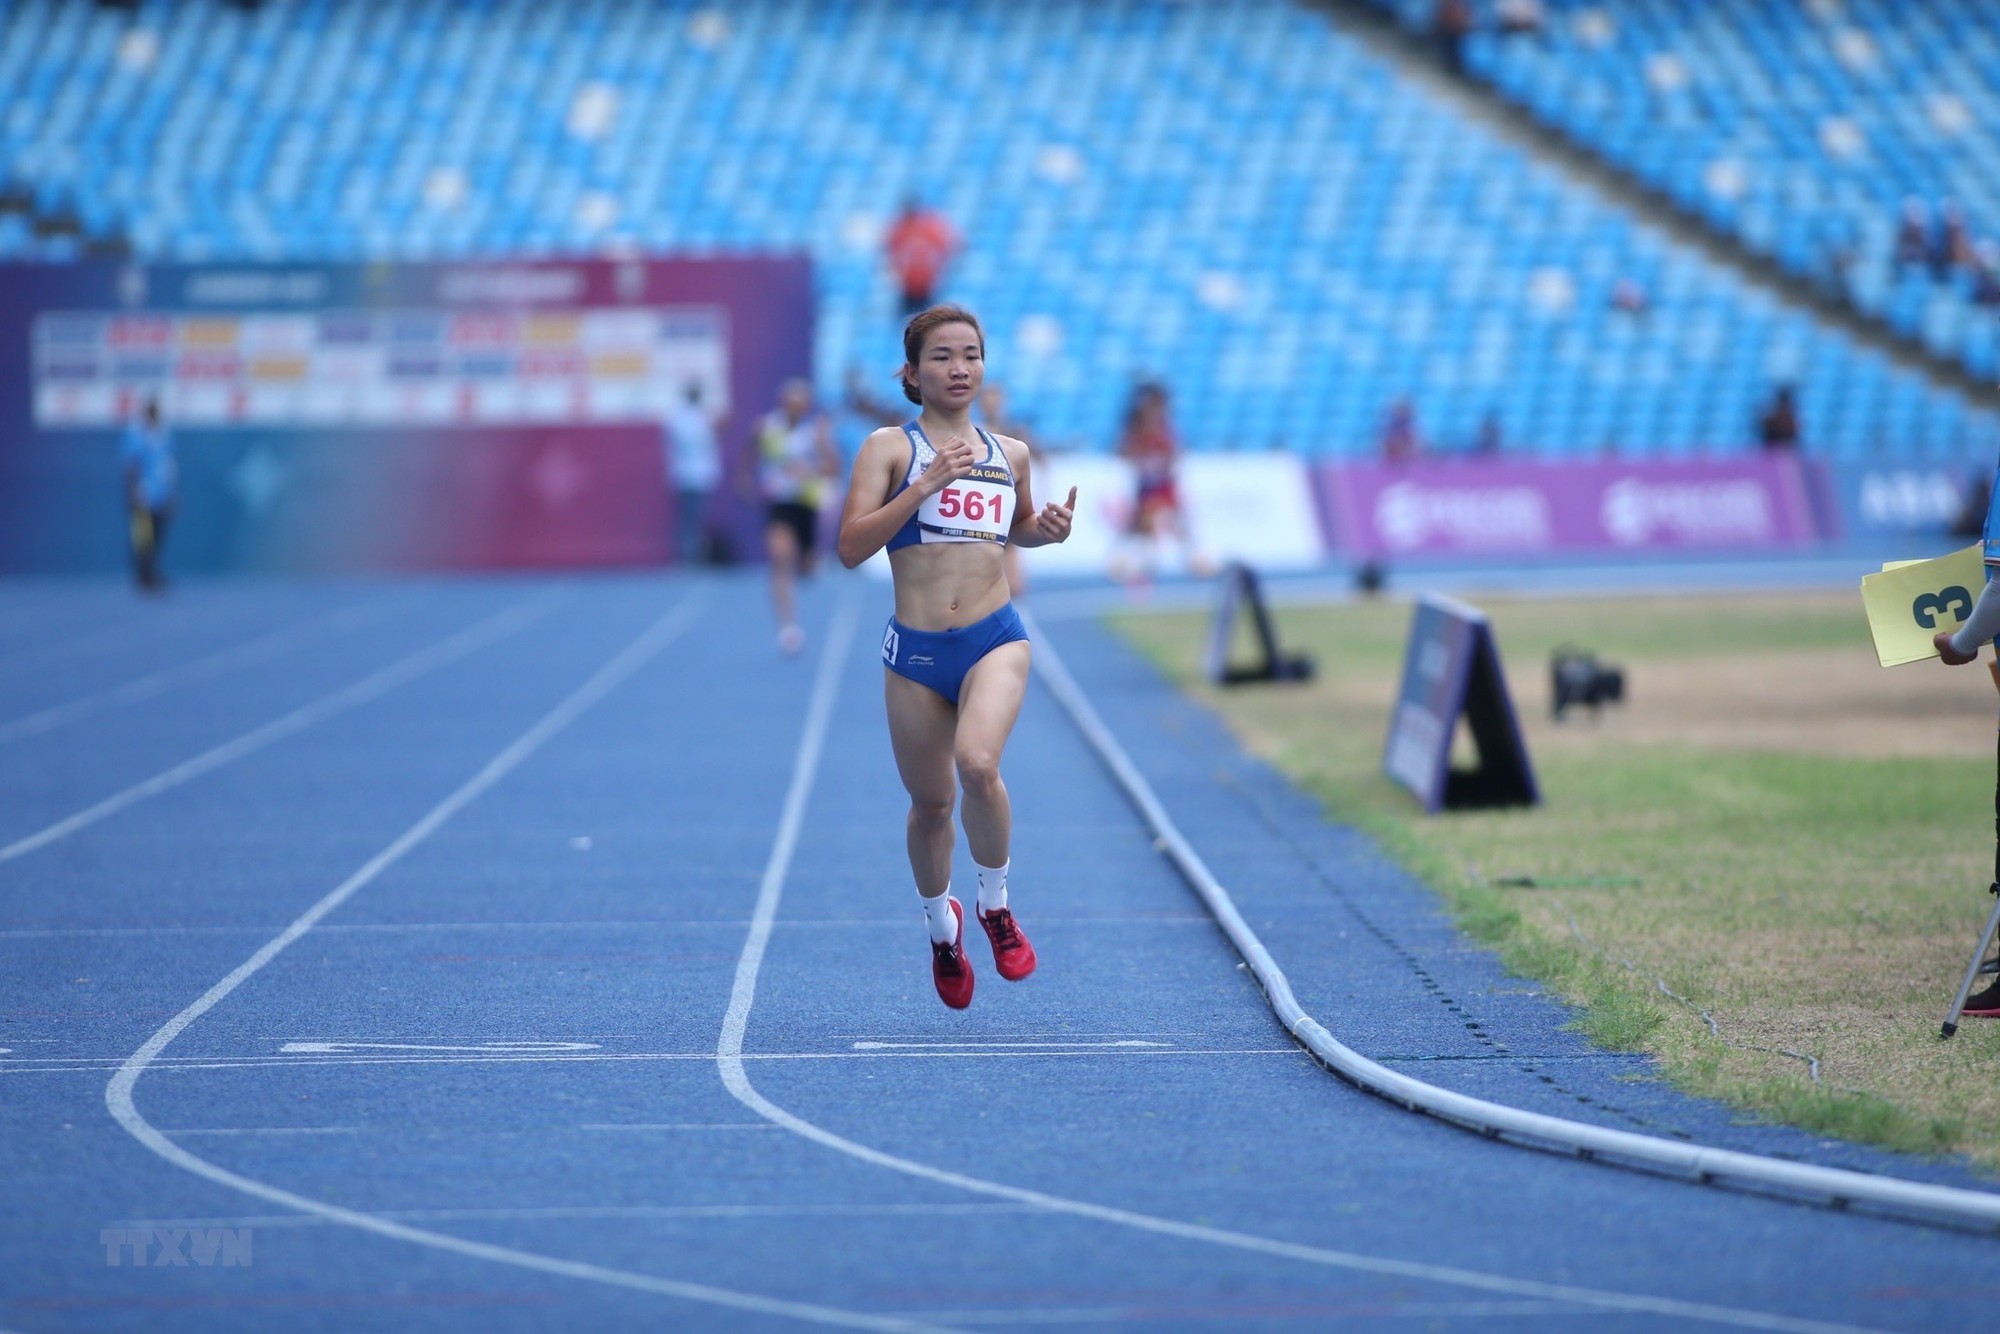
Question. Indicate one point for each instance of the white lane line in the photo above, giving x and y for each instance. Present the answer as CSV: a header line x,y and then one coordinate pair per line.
x,y
33,1065
487,1048
118,1099
154,684
565,1213
135,620
729,1059
1238,1310
268,1130
976,1046
669,924
684,1125
373,686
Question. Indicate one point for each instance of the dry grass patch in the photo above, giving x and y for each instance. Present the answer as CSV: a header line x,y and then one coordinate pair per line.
x,y
1810,835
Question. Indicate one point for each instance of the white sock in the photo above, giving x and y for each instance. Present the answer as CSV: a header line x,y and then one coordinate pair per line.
x,y
992,886
937,913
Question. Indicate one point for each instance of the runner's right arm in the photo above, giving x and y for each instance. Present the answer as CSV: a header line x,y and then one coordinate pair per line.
x,y
868,521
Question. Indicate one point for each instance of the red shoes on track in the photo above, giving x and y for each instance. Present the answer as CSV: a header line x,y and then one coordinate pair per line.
x,y
1012,954
952,971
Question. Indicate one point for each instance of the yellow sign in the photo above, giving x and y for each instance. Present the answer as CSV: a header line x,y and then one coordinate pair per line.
x,y
1910,601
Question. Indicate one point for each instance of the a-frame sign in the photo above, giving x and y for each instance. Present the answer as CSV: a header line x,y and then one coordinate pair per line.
x,y
1452,670
1240,593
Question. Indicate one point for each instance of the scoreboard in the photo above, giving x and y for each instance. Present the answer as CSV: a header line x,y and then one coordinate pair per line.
x,y
430,367
498,413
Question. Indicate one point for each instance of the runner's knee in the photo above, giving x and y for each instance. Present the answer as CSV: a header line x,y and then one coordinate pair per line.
x,y
979,771
930,813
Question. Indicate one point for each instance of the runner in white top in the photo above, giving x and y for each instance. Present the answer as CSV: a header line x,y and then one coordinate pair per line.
x,y
946,500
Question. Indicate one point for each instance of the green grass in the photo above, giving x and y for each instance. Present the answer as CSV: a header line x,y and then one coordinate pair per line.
x,y
1814,902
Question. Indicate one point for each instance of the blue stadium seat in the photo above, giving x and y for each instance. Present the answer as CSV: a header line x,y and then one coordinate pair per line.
x,y
1236,198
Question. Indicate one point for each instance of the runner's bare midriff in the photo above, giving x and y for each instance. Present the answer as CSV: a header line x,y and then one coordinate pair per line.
x,y
948,585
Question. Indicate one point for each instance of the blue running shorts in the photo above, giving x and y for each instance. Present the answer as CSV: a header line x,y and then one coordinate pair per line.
x,y
941,658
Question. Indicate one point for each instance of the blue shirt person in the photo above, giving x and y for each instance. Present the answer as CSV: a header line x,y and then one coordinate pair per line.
x,y
152,487
694,465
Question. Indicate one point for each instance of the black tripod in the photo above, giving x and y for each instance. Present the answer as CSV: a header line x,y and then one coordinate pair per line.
x,y
1974,969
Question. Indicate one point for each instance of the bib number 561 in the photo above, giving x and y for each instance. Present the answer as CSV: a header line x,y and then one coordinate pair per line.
x,y
952,502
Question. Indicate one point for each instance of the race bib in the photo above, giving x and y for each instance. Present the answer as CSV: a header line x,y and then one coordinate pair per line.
x,y
969,509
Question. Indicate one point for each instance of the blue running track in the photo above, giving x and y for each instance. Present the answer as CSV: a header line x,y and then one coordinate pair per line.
x,y
538,954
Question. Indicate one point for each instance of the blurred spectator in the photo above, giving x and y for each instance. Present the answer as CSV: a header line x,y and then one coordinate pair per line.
x,y
1520,17
694,453
1451,23
1151,445
1778,427
1838,247
1971,520
152,484
1986,274
1954,241
1400,441
921,244
1912,236
1487,443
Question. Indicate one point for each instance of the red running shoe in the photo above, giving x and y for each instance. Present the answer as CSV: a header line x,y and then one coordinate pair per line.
x,y
1012,954
950,969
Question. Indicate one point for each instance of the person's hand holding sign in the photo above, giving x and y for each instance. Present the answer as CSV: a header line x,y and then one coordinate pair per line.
x,y
1052,524
1949,652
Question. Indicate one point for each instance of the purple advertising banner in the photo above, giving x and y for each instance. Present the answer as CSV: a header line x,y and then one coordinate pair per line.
x,y
1494,508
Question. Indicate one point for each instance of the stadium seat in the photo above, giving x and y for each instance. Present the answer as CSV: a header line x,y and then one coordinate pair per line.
x,y
1237,199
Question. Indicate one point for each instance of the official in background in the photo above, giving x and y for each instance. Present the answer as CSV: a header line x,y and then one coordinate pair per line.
x,y
1778,426
1961,646
152,491
921,245
694,461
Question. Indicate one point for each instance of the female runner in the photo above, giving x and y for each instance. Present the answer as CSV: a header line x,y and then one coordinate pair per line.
x,y
946,499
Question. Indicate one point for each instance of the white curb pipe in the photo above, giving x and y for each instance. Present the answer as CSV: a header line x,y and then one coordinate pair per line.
x,y
1836,1185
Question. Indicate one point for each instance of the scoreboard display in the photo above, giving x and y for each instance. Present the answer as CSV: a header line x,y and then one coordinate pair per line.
x,y
436,367
491,414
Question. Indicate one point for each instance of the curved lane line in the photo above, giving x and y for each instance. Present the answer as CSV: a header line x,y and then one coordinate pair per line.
x,y
729,1059
118,1097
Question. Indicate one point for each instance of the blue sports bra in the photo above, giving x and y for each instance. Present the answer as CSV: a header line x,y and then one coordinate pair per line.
x,y
979,507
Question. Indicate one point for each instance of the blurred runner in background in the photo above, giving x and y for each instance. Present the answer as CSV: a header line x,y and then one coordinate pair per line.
x,y
152,486
795,458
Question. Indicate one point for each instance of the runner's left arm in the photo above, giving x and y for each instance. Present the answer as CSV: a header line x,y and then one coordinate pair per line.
x,y
1032,528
